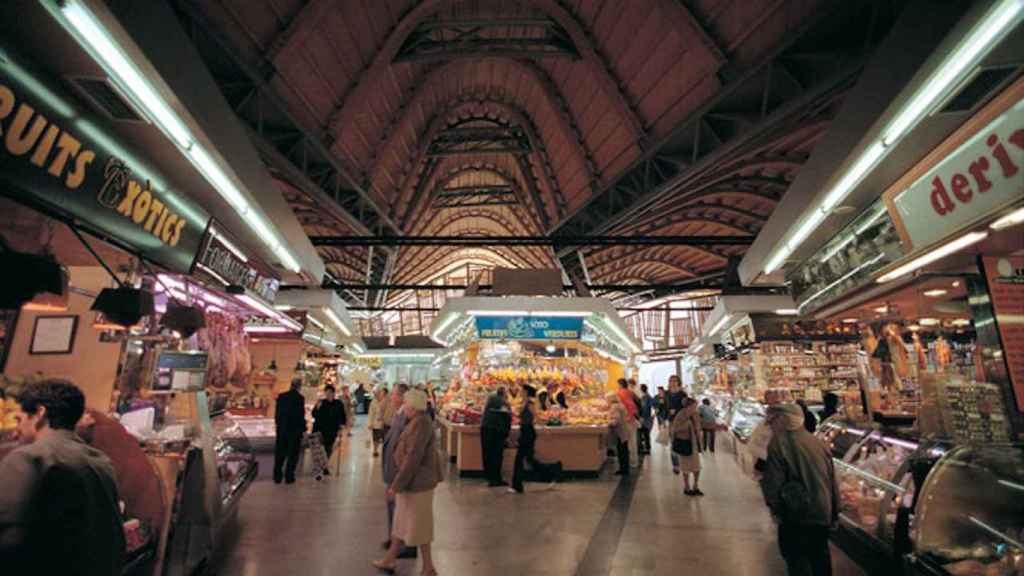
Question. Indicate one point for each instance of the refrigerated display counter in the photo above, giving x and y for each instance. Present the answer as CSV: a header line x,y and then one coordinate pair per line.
x,y
970,514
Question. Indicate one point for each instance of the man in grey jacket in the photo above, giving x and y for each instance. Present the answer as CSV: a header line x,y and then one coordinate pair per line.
x,y
389,468
799,486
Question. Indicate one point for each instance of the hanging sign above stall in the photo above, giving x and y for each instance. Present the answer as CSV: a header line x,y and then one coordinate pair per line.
x,y
58,156
218,258
983,175
1005,277
529,327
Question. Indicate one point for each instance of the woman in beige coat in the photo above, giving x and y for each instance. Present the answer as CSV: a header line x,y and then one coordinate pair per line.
x,y
621,431
419,471
686,428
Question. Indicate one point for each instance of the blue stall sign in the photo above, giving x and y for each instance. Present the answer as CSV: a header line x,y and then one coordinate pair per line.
x,y
529,327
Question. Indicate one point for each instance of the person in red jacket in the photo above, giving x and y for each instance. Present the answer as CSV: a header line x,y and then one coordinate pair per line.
x,y
628,400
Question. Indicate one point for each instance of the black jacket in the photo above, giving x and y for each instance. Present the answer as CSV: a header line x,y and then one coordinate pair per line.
x,y
290,413
527,433
497,415
328,416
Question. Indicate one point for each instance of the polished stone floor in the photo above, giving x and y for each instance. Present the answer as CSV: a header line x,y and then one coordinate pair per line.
x,y
644,526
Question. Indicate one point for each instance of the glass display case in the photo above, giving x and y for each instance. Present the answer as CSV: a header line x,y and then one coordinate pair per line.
x,y
841,435
869,481
236,463
260,430
746,415
970,513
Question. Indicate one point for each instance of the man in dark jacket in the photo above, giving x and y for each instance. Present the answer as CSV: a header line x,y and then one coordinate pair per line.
x,y
290,422
494,429
799,486
328,418
59,510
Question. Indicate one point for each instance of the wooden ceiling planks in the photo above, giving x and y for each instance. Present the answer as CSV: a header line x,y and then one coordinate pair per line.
x,y
643,67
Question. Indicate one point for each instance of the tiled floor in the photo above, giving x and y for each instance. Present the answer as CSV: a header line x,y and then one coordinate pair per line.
x,y
582,527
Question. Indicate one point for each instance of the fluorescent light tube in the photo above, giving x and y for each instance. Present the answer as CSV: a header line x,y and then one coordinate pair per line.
x,y
90,32
982,38
1011,219
337,321
564,314
718,325
105,50
787,311
266,329
622,335
969,51
864,164
498,313
447,322
213,273
229,245
933,255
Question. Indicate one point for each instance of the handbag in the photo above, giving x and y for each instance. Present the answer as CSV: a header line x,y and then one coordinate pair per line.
x,y
682,446
662,437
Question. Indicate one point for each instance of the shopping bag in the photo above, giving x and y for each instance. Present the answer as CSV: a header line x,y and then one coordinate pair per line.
x,y
662,437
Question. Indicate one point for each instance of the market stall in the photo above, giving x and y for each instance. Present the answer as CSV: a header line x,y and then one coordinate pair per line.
x,y
571,350
928,450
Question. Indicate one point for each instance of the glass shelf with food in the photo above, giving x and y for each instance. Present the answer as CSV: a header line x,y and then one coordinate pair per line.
x,y
868,479
236,463
746,415
970,513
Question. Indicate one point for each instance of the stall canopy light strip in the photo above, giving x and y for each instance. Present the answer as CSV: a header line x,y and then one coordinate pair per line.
x,y
269,312
102,45
1011,219
842,278
973,47
540,313
933,255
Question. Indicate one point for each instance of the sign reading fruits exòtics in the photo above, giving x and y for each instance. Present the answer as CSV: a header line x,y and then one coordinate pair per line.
x,y
529,327
57,155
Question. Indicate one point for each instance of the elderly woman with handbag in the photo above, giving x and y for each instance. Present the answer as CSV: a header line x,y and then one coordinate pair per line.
x,y
686,444
419,471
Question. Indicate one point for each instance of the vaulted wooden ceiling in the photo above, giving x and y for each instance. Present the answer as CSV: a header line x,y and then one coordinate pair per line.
x,y
493,118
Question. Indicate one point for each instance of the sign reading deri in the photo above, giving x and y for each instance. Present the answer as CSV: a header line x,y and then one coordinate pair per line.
x,y
60,156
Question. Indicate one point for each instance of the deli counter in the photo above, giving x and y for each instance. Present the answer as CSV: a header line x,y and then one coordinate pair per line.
x,y
938,509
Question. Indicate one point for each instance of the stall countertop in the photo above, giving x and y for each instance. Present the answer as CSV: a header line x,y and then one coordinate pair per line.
x,y
541,430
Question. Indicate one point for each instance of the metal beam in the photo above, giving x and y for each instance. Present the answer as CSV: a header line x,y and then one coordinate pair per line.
x,y
823,80
531,241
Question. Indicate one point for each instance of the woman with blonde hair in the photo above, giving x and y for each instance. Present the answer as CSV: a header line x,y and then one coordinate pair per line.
x,y
621,431
686,444
418,473
376,417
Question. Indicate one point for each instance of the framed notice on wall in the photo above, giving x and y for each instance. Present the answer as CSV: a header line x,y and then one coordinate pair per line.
x,y
53,335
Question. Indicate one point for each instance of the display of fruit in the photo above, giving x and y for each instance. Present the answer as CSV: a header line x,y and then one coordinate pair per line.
x,y
8,410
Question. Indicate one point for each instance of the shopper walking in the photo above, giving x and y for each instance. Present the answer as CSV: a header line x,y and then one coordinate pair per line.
x,y
328,418
661,406
674,401
59,510
375,417
525,448
686,445
494,429
628,400
350,413
646,419
810,420
418,471
361,399
831,406
290,425
620,432
708,424
799,486
388,468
